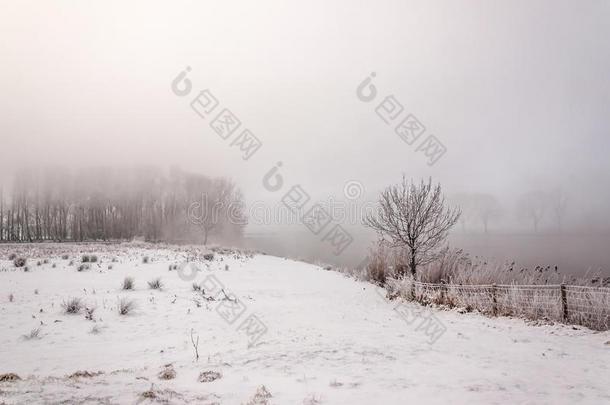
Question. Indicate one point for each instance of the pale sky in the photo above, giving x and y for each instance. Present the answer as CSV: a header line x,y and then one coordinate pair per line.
x,y
517,91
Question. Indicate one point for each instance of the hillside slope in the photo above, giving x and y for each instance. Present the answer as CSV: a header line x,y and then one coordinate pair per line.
x,y
329,339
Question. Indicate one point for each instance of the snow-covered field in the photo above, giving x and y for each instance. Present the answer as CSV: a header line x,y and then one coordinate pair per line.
x,y
329,339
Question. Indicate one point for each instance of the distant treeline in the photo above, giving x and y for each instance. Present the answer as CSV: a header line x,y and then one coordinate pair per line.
x,y
100,204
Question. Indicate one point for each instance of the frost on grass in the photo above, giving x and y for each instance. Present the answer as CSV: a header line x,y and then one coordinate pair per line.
x,y
126,306
128,283
9,377
34,334
89,313
72,306
83,267
155,284
161,396
261,397
168,372
209,376
312,399
85,374
89,259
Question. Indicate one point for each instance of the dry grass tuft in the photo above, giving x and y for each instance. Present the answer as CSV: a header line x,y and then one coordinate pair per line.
x,y
72,306
128,283
209,376
34,334
155,284
85,374
261,397
9,377
125,306
168,372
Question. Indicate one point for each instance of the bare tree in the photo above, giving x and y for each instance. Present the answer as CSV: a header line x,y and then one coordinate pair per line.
x,y
414,217
111,204
558,205
487,207
214,212
532,205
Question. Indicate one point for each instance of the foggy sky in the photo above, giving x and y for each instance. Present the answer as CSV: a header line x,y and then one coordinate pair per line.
x,y
519,92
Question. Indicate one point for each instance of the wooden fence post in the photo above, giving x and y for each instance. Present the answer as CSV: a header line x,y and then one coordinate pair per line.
x,y
494,300
564,303
413,289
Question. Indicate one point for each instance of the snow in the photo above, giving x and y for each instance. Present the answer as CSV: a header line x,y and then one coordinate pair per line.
x,y
329,339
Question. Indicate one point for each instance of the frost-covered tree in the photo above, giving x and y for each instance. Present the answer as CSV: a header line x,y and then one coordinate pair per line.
x,y
416,218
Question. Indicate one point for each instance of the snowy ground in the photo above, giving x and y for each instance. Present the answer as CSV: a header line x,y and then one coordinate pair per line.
x,y
329,339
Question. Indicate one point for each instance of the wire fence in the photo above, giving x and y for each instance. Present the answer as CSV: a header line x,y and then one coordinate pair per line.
x,y
587,306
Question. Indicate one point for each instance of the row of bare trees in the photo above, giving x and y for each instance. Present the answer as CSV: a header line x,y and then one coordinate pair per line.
x,y
116,204
533,207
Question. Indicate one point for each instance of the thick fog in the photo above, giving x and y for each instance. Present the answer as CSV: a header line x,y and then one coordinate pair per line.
x,y
518,93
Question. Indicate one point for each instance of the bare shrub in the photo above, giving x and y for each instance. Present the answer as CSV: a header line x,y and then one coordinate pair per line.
x,y
83,267
93,259
125,306
155,284
146,260
12,256
196,287
95,330
11,297
19,262
128,283
85,259
72,306
208,256
65,257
